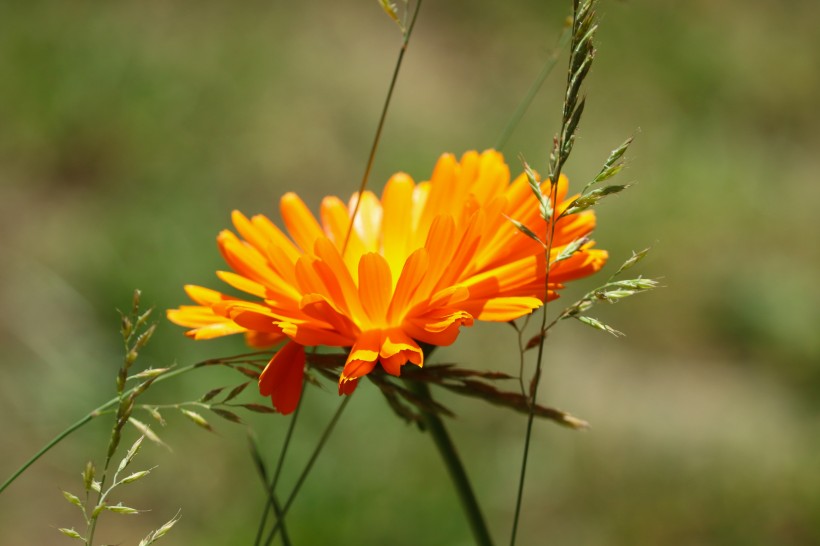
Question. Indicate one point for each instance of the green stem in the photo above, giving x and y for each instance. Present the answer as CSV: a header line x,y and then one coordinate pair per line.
x,y
448,453
48,446
95,413
272,499
372,156
270,485
325,435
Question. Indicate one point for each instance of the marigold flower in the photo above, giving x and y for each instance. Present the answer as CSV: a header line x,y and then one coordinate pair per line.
x,y
420,263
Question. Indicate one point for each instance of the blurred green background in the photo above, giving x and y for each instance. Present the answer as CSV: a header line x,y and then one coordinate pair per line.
x,y
130,130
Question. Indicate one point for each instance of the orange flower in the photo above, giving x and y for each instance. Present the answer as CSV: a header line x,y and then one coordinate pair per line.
x,y
420,263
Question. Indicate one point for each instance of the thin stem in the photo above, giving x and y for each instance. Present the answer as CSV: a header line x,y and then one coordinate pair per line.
x,y
521,359
308,466
95,413
100,495
455,468
379,128
48,446
271,486
549,64
536,380
557,161
263,474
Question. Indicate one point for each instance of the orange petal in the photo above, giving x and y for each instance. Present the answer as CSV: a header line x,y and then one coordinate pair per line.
x,y
249,232
440,246
263,339
323,312
242,283
441,196
437,326
275,237
397,221
368,221
254,317
363,355
492,178
411,276
282,378
301,224
204,323
420,194
397,349
336,221
460,261
375,287
204,296
329,255
581,264
348,386
249,262
307,333
503,309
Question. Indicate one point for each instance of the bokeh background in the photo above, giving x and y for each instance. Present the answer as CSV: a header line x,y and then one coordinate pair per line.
x,y
129,131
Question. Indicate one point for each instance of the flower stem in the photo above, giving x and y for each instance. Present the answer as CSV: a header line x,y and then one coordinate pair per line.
x,y
455,468
271,484
325,435
48,446
372,156
95,413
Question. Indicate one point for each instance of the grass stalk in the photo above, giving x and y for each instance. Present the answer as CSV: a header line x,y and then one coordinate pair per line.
x,y
81,422
385,108
325,435
271,486
581,55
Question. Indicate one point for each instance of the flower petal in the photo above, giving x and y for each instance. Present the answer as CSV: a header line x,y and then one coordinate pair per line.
x,y
397,349
301,224
397,221
375,287
368,221
363,355
282,378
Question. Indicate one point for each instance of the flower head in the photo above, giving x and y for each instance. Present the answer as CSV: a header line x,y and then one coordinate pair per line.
x,y
416,266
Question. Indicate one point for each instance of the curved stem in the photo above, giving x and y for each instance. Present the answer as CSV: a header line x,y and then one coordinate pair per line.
x,y
48,446
278,525
94,413
378,136
271,484
455,468
272,499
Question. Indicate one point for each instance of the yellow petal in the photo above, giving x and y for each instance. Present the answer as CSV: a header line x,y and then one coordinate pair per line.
x,y
301,224
368,221
375,287
397,221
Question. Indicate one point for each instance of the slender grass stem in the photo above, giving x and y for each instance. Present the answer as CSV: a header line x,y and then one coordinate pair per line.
x,y
558,158
378,136
549,64
536,380
325,435
455,468
88,417
271,486
56,440
272,499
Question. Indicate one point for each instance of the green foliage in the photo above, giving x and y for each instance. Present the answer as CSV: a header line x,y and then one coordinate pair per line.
x,y
136,333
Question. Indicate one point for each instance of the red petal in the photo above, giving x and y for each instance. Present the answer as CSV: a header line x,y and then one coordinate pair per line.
x,y
283,376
